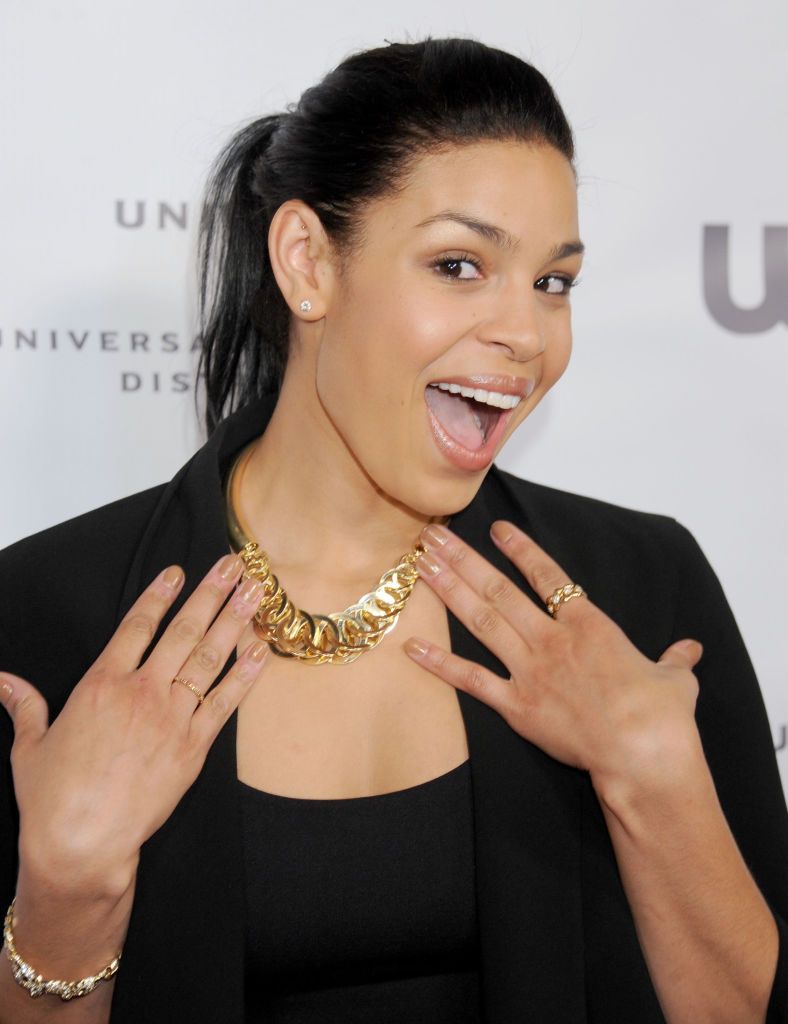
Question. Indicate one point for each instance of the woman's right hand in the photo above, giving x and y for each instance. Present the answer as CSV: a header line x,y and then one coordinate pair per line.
x,y
108,772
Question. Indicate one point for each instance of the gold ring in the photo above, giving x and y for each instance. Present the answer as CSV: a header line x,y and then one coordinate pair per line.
x,y
562,594
192,687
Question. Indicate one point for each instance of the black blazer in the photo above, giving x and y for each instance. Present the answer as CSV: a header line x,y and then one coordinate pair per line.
x,y
558,943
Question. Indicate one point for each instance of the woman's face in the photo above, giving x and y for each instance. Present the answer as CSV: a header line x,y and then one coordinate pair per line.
x,y
460,282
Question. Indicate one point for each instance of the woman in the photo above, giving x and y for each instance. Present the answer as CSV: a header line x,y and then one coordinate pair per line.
x,y
483,793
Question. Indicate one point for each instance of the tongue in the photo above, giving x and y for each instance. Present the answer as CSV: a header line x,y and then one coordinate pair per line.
x,y
456,415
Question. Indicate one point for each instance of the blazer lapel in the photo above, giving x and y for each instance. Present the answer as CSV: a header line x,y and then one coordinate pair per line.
x,y
527,810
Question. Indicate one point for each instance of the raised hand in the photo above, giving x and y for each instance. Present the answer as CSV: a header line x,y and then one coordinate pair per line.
x,y
108,772
578,688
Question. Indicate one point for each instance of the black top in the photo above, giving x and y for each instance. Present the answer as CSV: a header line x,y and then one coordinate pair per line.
x,y
362,909
557,939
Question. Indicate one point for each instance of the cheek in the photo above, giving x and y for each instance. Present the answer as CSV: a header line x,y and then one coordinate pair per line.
x,y
556,356
364,379
373,358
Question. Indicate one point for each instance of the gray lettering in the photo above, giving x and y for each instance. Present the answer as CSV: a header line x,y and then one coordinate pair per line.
x,y
716,281
139,341
169,342
121,218
109,341
25,339
78,343
130,382
166,212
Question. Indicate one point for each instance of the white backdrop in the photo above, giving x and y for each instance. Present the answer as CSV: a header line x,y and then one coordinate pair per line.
x,y
673,401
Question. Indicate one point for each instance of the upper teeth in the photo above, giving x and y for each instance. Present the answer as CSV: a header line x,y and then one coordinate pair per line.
x,y
496,398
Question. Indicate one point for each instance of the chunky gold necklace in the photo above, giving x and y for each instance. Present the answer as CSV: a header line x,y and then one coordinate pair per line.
x,y
338,638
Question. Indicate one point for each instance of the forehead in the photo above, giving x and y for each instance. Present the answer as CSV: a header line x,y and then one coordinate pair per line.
x,y
528,189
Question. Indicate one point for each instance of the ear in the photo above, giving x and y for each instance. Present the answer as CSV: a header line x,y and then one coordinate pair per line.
x,y
301,259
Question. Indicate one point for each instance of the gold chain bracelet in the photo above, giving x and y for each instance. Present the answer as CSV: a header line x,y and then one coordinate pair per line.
x,y
29,978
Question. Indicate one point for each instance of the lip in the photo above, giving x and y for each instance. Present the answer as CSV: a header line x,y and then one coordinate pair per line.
x,y
457,454
505,384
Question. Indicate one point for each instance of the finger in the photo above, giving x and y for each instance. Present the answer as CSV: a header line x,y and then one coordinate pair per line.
x,y
484,621
492,586
191,623
461,673
543,573
209,656
207,721
138,626
28,709
682,653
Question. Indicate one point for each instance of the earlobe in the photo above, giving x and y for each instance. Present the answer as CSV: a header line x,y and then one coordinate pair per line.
x,y
298,248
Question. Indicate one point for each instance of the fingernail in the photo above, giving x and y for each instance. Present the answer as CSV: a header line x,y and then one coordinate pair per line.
x,y
258,651
173,577
229,566
502,532
415,647
427,565
250,590
6,690
434,535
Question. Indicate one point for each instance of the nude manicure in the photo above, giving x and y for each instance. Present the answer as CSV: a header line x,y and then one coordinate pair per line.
x,y
434,535
427,565
250,590
230,566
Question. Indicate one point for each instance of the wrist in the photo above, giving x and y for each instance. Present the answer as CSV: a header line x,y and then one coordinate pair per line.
x,y
68,936
74,879
659,767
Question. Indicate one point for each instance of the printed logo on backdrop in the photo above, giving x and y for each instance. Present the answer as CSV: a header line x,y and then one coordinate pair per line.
x,y
143,213
782,739
773,309
150,378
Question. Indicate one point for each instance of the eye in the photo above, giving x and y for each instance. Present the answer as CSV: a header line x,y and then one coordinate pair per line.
x,y
559,285
452,267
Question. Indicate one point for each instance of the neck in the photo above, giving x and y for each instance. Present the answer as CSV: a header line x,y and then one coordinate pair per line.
x,y
311,507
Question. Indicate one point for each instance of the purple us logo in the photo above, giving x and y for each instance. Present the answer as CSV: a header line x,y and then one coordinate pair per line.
x,y
773,309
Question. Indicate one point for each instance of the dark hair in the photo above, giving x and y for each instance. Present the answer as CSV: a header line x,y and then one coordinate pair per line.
x,y
350,139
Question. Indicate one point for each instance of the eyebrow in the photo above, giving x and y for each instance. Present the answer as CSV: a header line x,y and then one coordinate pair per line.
x,y
500,237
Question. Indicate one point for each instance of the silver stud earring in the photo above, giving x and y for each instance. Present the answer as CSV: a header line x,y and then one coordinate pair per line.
x,y
305,306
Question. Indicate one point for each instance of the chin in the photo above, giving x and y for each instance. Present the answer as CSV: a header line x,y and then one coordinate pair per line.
x,y
440,497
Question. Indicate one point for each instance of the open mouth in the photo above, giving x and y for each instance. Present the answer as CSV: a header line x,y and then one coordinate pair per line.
x,y
468,415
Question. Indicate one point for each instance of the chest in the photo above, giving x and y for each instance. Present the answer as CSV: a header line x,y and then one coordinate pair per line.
x,y
379,724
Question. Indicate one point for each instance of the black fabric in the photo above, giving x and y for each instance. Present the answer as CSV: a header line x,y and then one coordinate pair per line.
x,y
362,909
557,942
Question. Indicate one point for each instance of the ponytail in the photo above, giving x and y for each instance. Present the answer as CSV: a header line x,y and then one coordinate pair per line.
x,y
243,317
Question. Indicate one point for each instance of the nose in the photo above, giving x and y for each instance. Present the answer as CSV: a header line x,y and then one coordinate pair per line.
x,y
514,323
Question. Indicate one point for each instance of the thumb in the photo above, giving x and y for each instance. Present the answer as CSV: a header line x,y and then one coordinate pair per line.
x,y
683,653
25,705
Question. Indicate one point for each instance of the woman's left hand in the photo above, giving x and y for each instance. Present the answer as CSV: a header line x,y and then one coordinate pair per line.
x,y
579,689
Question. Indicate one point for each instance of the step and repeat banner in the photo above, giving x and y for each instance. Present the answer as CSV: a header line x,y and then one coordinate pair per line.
x,y
674,399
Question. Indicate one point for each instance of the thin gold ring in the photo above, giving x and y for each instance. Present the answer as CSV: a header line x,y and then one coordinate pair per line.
x,y
563,594
191,686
